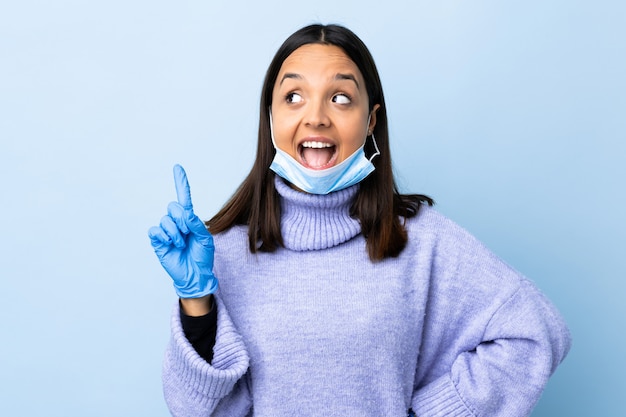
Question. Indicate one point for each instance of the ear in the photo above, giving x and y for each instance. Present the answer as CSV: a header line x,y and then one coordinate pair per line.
x,y
372,116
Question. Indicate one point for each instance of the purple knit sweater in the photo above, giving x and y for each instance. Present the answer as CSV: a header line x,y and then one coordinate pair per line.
x,y
317,329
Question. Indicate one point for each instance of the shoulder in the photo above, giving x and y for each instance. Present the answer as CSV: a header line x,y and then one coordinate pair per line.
x,y
232,239
454,250
429,223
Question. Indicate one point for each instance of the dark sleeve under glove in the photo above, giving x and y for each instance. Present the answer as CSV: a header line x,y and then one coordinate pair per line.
x,y
200,331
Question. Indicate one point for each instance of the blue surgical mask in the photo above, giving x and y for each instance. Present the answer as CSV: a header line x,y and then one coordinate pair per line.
x,y
347,173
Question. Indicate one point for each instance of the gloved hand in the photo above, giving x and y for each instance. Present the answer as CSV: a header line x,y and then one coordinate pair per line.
x,y
183,244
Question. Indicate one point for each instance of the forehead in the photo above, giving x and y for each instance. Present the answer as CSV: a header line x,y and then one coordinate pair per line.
x,y
319,59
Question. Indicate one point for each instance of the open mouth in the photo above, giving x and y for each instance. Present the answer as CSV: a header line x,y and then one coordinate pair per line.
x,y
317,155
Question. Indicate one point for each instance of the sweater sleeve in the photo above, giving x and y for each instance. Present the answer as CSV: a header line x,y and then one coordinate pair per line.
x,y
506,372
491,339
193,387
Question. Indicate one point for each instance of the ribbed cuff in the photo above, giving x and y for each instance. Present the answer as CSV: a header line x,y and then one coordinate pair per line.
x,y
205,383
440,398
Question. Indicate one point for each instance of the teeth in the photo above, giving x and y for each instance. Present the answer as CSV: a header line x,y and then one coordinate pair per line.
x,y
312,144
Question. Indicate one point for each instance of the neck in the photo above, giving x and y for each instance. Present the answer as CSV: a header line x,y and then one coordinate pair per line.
x,y
314,222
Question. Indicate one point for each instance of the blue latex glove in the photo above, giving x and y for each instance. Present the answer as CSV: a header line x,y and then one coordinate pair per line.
x,y
183,244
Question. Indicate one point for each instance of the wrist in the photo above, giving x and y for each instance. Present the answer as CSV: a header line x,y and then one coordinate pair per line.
x,y
195,307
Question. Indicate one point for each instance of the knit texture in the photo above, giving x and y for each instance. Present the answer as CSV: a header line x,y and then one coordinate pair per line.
x,y
309,222
316,328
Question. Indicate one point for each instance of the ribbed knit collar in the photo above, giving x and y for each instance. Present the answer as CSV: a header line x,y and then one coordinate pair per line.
x,y
313,222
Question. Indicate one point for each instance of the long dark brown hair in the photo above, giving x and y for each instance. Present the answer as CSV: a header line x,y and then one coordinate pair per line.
x,y
380,208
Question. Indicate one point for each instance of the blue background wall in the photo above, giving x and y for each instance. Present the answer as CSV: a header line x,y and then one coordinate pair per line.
x,y
511,114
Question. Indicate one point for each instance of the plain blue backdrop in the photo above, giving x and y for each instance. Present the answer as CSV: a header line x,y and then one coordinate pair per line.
x,y
512,115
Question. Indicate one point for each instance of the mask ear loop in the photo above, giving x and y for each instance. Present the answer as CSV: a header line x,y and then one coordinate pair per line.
x,y
376,147
271,126
373,139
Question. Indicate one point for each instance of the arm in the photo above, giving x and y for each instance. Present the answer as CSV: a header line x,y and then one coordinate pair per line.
x,y
505,373
196,307
199,323
490,338
192,386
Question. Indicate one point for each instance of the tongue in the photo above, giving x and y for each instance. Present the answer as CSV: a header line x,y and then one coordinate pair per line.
x,y
317,158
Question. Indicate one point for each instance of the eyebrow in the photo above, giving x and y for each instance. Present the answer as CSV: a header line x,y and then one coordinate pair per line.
x,y
340,76
347,77
290,75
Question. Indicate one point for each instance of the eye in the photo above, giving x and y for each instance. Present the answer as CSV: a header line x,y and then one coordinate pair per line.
x,y
293,98
342,99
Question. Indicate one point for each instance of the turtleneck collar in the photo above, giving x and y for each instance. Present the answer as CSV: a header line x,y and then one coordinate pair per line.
x,y
313,222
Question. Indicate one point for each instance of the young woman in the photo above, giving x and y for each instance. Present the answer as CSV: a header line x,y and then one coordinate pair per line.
x,y
337,295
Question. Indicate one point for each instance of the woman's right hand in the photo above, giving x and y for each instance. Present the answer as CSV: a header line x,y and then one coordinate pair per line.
x,y
183,244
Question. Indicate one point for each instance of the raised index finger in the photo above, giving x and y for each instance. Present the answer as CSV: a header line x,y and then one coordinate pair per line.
x,y
183,193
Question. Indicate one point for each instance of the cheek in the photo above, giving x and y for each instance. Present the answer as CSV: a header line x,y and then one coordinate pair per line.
x,y
283,137
354,135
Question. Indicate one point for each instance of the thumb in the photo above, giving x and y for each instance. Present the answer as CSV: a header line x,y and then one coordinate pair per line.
x,y
195,225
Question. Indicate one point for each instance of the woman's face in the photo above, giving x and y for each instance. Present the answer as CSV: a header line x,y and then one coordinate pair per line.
x,y
320,107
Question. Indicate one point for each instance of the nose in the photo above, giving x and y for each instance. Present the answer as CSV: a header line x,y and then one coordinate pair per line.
x,y
317,115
